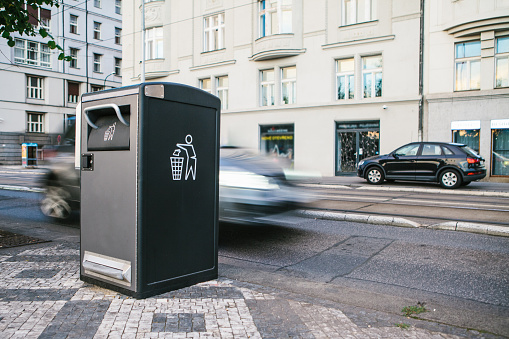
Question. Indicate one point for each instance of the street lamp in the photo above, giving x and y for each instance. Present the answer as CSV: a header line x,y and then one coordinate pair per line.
x,y
104,86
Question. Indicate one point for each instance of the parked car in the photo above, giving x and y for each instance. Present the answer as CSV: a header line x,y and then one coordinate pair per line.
x,y
251,187
449,164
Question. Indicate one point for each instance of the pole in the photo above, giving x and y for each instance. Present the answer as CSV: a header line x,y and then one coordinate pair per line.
x,y
142,41
104,86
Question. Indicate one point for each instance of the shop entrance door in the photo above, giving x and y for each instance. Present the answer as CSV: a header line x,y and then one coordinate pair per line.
x,y
355,141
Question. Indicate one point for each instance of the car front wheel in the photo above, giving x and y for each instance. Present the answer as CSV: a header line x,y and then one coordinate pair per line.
x,y
450,179
375,176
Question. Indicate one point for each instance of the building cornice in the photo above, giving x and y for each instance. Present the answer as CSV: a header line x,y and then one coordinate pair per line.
x,y
474,27
497,93
358,42
215,64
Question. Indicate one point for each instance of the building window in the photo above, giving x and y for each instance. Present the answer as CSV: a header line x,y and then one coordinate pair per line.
x,y
468,66
35,87
118,67
275,17
213,32
73,92
206,85
97,30
35,123
154,43
31,53
73,53
502,62
97,3
372,76
357,11
267,87
118,6
96,88
39,17
73,24
222,91
278,141
288,85
97,63
345,78
118,36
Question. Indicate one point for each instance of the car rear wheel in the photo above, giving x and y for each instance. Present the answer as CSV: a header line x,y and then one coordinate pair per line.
x,y
375,176
450,179
55,203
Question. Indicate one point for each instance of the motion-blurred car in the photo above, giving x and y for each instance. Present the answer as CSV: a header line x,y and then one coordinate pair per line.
x,y
449,164
251,187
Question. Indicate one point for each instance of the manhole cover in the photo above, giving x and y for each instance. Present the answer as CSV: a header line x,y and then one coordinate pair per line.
x,y
8,239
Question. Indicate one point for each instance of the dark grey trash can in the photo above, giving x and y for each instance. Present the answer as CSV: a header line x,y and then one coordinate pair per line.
x,y
149,188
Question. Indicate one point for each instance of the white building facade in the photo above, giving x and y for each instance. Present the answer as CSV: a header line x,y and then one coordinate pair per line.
x,y
320,83
39,92
467,78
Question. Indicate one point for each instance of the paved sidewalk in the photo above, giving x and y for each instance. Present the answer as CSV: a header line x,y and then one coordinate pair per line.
x,y
41,296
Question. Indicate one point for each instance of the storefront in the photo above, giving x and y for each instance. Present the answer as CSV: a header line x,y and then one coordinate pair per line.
x,y
278,141
500,147
467,132
354,142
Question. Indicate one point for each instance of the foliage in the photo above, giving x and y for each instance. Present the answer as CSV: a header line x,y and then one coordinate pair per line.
x,y
411,310
15,17
403,326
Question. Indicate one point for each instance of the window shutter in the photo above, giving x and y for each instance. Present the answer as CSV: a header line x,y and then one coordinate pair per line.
x,y
33,16
73,88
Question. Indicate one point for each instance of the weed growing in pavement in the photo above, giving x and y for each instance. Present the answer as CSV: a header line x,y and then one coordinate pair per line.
x,y
403,326
409,311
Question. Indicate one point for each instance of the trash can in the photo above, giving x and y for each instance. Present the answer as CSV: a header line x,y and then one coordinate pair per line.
x,y
28,154
149,188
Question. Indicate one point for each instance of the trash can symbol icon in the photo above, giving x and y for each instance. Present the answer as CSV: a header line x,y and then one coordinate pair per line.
x,y
177,163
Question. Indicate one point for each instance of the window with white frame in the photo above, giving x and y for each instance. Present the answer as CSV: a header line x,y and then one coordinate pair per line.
x,y
118,67
97,30
206,85
73,24
502,62
154,43
73,53
118,36
357,11
35,87
267,87
39,17
96,88
222,91
118,6
213,38
73,92
275,17
35,122
97,62
372,76
31,53
345,78
97,3
468,66
288,85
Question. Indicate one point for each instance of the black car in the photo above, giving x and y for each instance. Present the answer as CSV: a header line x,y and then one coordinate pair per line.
x,y
449,164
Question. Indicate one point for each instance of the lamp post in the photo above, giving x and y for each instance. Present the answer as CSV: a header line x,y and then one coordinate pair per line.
x,y
107,78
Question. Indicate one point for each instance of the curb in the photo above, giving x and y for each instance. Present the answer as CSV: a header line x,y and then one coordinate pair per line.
x,y
21,188
401,222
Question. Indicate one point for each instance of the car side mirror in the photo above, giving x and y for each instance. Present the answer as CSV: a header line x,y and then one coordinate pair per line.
x,y
395,155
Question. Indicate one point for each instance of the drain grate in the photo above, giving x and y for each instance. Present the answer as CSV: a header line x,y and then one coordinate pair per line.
x,y
8,239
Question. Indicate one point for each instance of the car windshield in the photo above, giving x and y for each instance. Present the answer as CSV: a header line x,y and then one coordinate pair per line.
x,y
469,151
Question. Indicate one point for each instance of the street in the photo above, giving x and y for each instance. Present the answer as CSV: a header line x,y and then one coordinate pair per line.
x,y
462,278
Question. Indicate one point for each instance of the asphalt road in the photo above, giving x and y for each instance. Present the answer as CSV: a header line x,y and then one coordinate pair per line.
x,y
463,278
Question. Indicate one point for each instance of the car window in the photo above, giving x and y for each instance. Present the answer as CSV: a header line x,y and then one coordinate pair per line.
x,y
447,151
429,149
407,150
469,151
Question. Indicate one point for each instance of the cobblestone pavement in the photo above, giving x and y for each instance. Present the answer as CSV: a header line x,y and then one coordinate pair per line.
x,y
41,296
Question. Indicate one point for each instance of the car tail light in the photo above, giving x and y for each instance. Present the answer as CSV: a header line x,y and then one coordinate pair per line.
x,y
473,160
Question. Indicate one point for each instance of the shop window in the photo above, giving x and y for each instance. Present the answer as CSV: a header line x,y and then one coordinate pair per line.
x,y
467,137
500,148
468,66
345,78
275,17
278,141
502,62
